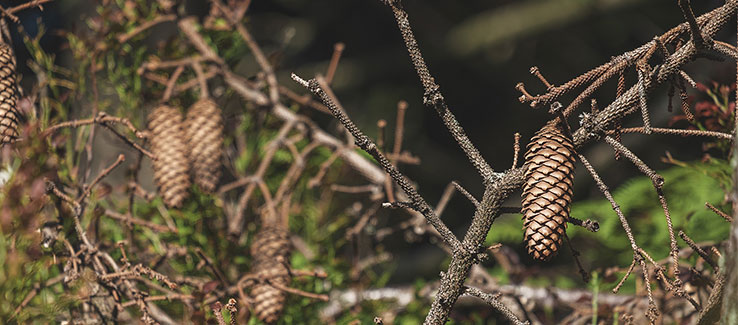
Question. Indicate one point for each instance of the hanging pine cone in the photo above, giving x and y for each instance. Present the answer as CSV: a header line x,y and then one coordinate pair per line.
x,y
171,167
8,96
204,128
270,249
547,193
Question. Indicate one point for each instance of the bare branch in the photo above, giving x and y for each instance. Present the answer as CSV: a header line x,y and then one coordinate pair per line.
x,y
320,88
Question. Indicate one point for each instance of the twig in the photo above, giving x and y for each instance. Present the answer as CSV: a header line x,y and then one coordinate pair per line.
x,y
588,224
141,192
103,174
694,28
643,81
356,229
123,38
354,189
130,219
188,27
399,127
658,183
101,118
10,16
516,150
30,4
466,193
625,277
299,292
494,301
201,80
699,251
315,180
333,64
445,197
261,59
615,205
235,224
172,82
433,97
534,71
575,253
725,216
36,289
683,133
160,298
304,100
131,143
212,266
139,270
319,88
155,64
684,98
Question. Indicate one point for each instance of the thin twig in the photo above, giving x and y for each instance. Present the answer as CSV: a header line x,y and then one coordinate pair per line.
x,y
725,216
212,266
625,277
494,301
36,289
299,292
333,64
88,189
320,88
516,150
172,82
433,97
123,38
684,133
445,197
399,127
699,251
130,219
30,4
588,224
466,193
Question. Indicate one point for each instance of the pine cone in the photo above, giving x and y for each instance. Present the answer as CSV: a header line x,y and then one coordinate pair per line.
x,y
547,193
271,241
8,96
270,249
204,128
269,300
168,144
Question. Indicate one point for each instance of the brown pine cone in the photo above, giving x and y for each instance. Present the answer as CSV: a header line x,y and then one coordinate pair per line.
x,y
204,129
271,241
8,96
270,249
547,193
269,300
171,168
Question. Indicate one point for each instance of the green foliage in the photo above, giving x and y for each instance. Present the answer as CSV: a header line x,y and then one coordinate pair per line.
x,y
691,184
687,187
